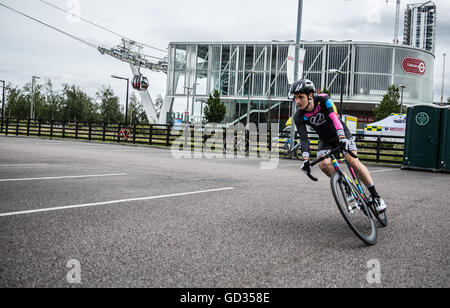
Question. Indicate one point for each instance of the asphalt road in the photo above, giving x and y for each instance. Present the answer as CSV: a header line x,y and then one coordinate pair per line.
x,y
138,217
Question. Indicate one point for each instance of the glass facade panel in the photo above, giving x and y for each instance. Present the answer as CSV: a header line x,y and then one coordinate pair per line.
x,y
282,57
313,59
249,57
338,57
202,57
180,58
372,85
370,59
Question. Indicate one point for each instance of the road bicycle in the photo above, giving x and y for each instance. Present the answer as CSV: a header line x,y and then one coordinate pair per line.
x,y
289,150
353,202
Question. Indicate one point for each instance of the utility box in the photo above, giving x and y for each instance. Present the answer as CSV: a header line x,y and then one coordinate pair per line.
x,y
423,129
444,158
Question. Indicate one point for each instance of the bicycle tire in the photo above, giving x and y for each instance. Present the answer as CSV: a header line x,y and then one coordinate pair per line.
x,y
338,189
284,152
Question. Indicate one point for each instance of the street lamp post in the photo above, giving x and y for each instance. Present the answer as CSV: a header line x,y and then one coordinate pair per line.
x,y
3,104
249,105
341,105
128,89
296,63
402,86
32,97
187,104
194,92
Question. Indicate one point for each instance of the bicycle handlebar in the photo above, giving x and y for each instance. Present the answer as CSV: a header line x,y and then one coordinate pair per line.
x,y
312,177
332,152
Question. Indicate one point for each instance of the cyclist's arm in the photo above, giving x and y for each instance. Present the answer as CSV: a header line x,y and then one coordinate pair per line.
x,y
332,113
304,141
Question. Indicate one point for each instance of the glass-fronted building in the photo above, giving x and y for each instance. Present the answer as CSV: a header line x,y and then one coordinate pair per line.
x,y
257,72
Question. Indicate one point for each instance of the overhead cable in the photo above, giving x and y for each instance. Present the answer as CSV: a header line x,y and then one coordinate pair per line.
x,y
99,26
54,28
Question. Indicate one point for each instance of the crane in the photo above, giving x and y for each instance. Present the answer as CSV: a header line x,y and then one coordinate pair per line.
x,y
397,21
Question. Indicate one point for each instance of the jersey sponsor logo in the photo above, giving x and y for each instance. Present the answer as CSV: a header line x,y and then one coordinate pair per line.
x,y
414,66
318,119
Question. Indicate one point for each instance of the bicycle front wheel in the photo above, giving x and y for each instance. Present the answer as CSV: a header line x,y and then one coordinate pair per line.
x,y
354,208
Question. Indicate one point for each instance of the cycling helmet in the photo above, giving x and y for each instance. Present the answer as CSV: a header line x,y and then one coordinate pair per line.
x,y
302,86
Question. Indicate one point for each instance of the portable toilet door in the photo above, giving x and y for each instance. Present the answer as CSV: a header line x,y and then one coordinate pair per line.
x,y
422,137
444,158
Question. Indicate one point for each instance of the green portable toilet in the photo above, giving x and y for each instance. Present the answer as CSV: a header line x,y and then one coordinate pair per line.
x,y
422,138
444,159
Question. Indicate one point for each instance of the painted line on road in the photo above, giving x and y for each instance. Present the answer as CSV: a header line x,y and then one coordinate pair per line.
x,y
113,202
291,165
23,165
64,177
94,146
386,170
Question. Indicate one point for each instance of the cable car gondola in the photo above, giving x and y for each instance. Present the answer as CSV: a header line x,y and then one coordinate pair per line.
x,y
140,83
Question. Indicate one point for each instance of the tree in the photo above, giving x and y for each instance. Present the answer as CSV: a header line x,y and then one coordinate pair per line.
x,y
326,91
17,104
136,110
390,104
215,110
110,109
36,97
50,108
76,105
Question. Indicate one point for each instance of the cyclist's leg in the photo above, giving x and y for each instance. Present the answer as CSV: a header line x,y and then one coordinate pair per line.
x,y
360,169
364,174
326,166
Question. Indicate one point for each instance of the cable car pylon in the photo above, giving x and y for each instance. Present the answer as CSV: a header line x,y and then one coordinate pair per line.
x,y
131,53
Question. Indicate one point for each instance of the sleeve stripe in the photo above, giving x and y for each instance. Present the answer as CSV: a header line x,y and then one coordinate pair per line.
x,y
337,123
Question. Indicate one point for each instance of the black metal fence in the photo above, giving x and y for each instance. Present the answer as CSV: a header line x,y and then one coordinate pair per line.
x,y
388,150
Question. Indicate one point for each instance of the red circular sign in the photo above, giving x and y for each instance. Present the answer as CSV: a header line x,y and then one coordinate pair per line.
x,y
414,66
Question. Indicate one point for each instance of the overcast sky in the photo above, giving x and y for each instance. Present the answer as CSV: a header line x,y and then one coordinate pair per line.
x,y
28,48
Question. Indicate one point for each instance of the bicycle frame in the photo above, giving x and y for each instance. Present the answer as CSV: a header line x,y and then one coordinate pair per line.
x,y
355,181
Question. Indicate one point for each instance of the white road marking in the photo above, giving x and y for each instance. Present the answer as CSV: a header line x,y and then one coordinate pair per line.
x,y
93,146
23,165
63,177
387,170
291,165
113,202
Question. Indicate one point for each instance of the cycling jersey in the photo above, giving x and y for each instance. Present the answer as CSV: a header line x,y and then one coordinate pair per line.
x,y
324,120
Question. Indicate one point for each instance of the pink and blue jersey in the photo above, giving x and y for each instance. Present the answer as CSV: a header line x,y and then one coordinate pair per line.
x,y
324,120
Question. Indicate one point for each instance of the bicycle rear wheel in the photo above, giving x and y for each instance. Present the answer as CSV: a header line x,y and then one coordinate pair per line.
x,y
355,210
